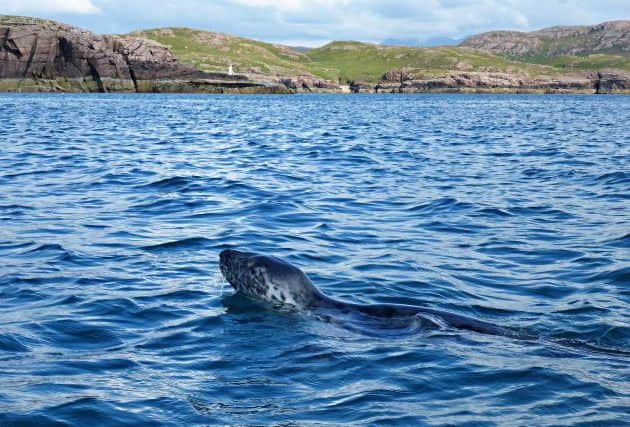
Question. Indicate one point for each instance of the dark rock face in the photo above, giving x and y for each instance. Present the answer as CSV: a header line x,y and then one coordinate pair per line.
x,y
398,76
45,55
612,81
47,51
363,87
149,60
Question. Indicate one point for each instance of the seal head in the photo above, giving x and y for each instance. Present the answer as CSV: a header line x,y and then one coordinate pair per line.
x,y
268,278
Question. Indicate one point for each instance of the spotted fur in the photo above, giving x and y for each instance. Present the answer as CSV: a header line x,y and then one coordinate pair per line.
x,y
268,278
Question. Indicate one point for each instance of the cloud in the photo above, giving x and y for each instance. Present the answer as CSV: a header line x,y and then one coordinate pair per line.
x,y
376,20
48,6
313,22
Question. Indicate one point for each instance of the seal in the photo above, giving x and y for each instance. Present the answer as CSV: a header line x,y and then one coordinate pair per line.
x,y
275,281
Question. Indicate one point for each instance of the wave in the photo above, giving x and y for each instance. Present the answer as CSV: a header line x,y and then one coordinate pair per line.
x,y
79,335
60,253
9,247
122,308
620,242
11,343
617,276
33,173
614,178
16,207
443,204
53,247
188,243
167,206
540,211
82,411
494,212
454,228
539,256
171,183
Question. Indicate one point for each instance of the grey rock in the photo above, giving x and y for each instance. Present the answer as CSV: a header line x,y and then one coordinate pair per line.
x,y
612,81
45,55
608,37
308,84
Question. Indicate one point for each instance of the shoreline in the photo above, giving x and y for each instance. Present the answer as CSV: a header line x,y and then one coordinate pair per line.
x,y
216,88
46,56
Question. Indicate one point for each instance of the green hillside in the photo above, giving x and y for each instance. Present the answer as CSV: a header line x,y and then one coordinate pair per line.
x,y
368,62
346,61
585,63
208,51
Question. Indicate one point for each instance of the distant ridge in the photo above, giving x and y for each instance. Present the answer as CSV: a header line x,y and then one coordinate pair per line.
x,y
300,49
606,38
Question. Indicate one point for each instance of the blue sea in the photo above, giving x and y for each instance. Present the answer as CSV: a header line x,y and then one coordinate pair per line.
x,y
511,209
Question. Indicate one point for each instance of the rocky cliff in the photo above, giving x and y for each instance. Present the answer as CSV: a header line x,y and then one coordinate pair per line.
x,y
41,55
606,38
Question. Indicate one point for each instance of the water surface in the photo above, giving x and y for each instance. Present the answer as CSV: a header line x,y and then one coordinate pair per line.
x,y
511,209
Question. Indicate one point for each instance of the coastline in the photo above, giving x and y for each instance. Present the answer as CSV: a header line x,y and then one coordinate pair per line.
x,y
78,85
46,56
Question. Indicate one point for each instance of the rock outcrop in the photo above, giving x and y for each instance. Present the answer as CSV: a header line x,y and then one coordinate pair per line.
x,y
403,81
41,55
308,84
612,81
608,37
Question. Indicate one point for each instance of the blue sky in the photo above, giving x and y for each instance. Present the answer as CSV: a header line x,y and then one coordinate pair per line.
x,y
315,22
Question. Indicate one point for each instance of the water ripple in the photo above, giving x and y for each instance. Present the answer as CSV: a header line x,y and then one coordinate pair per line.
x,y
510,209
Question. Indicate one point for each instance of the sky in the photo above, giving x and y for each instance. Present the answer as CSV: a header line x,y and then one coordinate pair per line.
x,y
316,22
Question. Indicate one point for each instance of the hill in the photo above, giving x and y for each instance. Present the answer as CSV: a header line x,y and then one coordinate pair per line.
x,y
537,53
214,52
337,61
356,61
606,45
370,67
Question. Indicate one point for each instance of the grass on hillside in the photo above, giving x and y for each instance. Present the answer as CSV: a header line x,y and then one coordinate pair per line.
x,y
583,63
368,62
209,51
